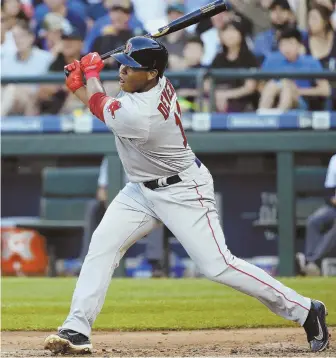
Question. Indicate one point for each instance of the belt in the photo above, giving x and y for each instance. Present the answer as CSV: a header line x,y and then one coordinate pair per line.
x,y
163,182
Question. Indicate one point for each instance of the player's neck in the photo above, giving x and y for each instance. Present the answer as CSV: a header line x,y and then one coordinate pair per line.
x,y
151,84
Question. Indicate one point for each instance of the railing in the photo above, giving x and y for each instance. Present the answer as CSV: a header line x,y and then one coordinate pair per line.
x,y
199,74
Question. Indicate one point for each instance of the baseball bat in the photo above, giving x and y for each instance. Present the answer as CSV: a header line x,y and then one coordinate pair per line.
x,y
182,22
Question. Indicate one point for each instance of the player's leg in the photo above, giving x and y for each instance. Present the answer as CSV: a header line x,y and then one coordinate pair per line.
x,y
126,220
188,209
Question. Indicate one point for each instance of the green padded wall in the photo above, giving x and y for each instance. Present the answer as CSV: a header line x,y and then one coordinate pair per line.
x,y
63,208
70,182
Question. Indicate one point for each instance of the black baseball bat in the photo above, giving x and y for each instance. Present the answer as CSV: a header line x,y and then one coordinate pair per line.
x,y
184,21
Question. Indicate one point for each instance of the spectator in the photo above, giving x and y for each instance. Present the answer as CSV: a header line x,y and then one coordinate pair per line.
x,y
7,40
329,4
54,98
176,41
11,13
51,32
238,95
28,60
291,93
187,88
210,37
321,42
14,12
96,210
281,16
256,11
103,25
153,19
95,9
320,228
299,9
114,35
73,11
192,5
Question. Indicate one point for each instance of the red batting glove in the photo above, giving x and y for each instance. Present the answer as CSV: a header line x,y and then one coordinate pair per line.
x,y
74,80
91,64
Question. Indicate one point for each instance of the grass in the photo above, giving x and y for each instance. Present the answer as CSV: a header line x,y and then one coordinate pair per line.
x,y
43,304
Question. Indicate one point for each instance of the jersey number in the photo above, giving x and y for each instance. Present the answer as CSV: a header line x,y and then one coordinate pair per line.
x,y
179,123
165,112
164,107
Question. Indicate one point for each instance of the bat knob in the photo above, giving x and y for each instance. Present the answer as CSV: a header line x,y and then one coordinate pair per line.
x,y
67,73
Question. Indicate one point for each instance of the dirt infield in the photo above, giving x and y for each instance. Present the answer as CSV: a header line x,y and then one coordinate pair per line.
x,y
280,342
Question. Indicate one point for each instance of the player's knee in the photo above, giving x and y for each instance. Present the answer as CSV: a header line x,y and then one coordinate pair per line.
x,y
220,265
102,245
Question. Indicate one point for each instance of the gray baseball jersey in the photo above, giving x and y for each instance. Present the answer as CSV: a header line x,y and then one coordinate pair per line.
x,y
149,135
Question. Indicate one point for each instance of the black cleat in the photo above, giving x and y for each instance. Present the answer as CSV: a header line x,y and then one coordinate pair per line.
x,y
68,341
316,327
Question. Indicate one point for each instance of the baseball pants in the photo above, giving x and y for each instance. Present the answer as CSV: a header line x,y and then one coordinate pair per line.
x,y
188,210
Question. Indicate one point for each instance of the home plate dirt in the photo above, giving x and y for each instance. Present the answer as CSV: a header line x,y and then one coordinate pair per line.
x,y
279,342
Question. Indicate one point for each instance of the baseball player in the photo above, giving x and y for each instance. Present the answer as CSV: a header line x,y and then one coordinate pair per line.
x,y
168,184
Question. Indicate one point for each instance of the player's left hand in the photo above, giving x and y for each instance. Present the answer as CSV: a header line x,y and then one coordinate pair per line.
x,y
74,79
91,64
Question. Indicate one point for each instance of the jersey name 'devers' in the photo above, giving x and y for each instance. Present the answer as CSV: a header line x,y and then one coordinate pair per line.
x,y
166,97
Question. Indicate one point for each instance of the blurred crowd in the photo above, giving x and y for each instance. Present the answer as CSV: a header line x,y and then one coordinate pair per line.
x,y
42,36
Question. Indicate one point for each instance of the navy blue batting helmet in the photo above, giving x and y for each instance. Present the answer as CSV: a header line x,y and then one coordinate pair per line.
x,y
144,52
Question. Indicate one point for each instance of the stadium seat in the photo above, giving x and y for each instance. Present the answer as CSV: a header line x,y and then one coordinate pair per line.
x,y
66,191
65,194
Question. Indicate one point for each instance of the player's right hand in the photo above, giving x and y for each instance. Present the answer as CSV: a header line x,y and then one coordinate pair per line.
x,y
74,80
91,64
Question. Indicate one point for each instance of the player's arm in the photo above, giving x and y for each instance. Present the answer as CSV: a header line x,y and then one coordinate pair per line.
x,y
74,82
118,115
91,65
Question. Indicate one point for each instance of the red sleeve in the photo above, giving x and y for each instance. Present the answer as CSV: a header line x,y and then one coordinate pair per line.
x,y
97,103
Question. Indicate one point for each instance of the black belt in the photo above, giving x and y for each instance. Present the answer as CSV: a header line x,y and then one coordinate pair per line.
x,y
159,183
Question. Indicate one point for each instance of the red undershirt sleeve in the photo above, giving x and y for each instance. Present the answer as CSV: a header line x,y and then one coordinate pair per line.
x,y
97,103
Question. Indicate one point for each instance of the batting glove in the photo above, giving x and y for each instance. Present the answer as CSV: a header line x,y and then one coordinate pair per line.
x,y
91,65
74,80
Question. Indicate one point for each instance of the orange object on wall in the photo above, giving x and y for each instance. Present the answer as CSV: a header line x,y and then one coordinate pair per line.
x,y
23,252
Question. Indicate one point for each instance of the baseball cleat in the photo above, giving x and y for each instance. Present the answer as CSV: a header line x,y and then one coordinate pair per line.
x,y
68,341
316,327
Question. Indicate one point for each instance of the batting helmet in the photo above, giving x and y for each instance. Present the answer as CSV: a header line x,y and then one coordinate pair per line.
x,y
144,52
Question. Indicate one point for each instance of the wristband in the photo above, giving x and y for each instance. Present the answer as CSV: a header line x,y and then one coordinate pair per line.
x,y
91,74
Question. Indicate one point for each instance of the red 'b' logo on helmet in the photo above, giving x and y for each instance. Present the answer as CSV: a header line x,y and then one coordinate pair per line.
x,y
128,48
